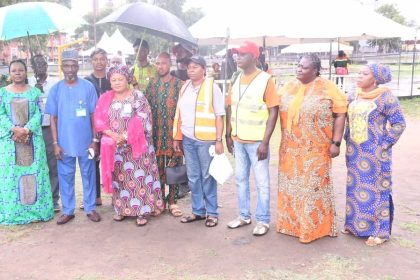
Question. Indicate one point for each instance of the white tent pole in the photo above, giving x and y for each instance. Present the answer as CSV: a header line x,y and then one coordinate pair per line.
x,y
414,61
329,74
399,63
226,62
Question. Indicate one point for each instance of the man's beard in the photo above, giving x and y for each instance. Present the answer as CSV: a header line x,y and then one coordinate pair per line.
x,y
163,75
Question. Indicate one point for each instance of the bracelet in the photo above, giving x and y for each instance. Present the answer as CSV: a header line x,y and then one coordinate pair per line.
x,y
55,143
96,140
219,139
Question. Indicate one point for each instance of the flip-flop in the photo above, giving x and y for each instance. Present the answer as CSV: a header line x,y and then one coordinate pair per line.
x,y
192,218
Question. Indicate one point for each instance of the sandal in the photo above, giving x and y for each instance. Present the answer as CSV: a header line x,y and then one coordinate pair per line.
x,y
118,218
174,210
344,231
192,218
211,221
141,221
156,213
375,241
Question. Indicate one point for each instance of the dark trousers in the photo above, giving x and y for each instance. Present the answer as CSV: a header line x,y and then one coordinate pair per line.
x,y
52,163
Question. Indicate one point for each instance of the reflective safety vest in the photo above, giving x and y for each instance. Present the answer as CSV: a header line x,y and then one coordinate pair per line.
x,y
249,111
205,119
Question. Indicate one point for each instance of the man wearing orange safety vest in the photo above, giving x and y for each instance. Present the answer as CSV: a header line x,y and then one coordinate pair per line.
x,y
198,125
250,120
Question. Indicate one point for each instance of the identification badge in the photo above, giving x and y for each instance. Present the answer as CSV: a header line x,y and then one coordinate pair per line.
x,y
126,111
81,112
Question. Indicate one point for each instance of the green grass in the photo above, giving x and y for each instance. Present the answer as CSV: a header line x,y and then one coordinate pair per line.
x,y
330,267
413,227
411,106
403,242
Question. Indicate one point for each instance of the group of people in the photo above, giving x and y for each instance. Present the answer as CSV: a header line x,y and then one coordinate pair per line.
x,y
142,121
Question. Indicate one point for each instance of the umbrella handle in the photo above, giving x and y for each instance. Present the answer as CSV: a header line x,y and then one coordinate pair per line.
x,y
141,43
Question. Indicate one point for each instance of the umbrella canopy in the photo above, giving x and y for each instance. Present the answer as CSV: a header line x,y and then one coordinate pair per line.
x,y
35,18
152,19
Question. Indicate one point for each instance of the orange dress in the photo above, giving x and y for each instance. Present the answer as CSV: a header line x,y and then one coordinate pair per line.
x,y
305,193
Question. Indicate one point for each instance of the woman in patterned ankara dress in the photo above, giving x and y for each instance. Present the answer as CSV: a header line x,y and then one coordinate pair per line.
x,y
128,159
375,123
25,192
312,117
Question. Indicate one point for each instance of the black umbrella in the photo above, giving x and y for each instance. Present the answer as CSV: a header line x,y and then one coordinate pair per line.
x,y
152,19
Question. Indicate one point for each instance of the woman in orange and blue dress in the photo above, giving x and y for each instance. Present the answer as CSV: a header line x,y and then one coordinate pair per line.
x,y
312,117
375,123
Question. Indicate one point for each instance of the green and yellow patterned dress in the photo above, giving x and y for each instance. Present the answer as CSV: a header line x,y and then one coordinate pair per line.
x,y
25,192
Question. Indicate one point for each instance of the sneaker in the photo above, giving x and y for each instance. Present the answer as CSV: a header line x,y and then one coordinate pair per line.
x,y
238,222
261,229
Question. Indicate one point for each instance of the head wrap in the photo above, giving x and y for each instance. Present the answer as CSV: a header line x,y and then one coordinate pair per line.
x,y
120,69
381,73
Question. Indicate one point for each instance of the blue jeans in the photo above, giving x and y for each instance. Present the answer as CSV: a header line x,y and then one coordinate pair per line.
x,y
203,185
246,157
66,173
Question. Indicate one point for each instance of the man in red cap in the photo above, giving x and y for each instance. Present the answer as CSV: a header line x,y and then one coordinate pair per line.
x,y
251,114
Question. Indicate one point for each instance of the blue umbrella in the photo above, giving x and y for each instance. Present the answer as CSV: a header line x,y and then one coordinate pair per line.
x,y
151,19
35,18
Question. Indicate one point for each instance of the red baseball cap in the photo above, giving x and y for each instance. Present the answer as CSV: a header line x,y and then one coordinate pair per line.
x,y
248,47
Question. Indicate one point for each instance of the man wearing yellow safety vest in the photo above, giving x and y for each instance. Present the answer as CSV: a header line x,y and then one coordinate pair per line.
x,y
198,124
251,114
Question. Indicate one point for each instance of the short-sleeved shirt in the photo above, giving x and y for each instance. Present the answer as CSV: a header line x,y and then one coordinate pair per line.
x,y
68,103
271,98
187,103
46,86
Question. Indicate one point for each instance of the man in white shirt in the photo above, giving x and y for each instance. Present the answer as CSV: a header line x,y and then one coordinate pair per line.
x,y
44,82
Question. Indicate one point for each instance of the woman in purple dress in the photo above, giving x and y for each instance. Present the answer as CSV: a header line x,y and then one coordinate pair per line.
x,y
128,159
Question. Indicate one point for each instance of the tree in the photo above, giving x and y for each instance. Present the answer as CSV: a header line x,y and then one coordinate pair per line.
x,y
391,12
390,44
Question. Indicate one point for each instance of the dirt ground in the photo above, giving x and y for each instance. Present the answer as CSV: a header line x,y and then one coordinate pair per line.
x,y
167,249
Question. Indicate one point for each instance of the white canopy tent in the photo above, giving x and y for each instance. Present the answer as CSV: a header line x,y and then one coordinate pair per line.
x,y
272,23
112,44
120,43
317,48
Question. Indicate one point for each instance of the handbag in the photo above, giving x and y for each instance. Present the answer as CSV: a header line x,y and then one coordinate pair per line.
x,y
176,174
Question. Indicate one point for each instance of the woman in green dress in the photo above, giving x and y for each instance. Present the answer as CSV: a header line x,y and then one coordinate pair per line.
x,y
25,194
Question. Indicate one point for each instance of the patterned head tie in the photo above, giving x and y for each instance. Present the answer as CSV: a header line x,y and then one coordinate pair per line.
x,y
381,73
120,69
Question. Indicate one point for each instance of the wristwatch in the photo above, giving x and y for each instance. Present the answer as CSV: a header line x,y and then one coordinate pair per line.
x,y
219,139
337,143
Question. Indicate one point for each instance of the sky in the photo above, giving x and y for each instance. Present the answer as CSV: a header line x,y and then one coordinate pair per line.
x,y
410,9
